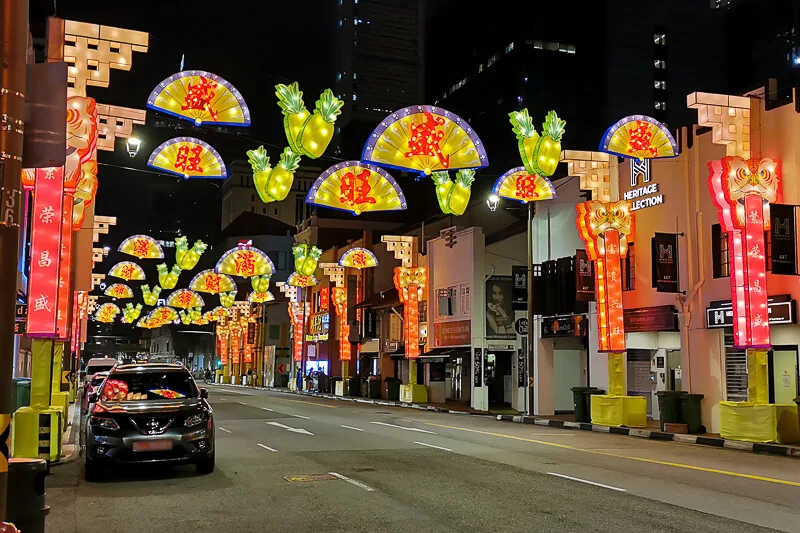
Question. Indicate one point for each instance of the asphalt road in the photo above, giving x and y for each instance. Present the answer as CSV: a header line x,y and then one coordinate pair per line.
x,y
394,469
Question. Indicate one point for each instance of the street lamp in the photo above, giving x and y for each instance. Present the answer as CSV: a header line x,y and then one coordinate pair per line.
x,y
133,144
492,202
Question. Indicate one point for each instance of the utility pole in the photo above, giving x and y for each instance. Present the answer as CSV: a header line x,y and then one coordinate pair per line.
x,y
531,374
13,52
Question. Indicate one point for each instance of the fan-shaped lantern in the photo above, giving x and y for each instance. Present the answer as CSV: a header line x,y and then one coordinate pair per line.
x,y
200,97
189,158
245,261
185,299
128,271
118,290
639,137
519,184
106,313
141,246
163,315
299,280
260,297
356,187
358,258
210,282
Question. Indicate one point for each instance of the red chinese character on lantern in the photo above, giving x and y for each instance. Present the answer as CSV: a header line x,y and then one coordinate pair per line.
x,y
165,314
188,159
185,299
213,283
641,138
426,138
355,189
141,247
199,96
526,187
359,259
245,263
127,272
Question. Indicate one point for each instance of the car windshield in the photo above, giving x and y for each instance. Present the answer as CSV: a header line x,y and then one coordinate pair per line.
x,y
124,387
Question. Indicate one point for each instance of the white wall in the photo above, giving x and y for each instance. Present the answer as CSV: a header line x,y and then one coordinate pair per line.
x,y
567,373
562,238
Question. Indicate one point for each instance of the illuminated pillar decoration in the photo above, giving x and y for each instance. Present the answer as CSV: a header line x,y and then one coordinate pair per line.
x,y
410,283
339,299
593,170
296,314
730,119
222,344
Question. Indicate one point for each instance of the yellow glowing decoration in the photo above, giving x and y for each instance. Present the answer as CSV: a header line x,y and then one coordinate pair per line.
x,y
425,139
308,133
358,258
185,318
410,283
127,271
162,315
168,278
454,196
186,257
200,97
356,187
227,299
260,297
299,280
273,184
150,297
245,261
210,282
260,283
141,246
185,299
202,321
106,313
519,184
148,323
639,137
189,158
217,313
131,313
540,153
305,259
119,290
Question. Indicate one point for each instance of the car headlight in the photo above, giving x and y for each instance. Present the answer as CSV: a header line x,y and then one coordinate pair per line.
x,y
105,423
193,420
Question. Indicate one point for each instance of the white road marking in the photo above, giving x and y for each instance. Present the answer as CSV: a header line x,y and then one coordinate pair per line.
x,y
351,427
223,390
225,430
353,482
433,446
587,482
267,447
404,427
241,403
301,416
289,428
267,409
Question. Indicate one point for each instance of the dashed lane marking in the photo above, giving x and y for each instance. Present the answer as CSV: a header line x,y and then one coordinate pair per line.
x,y
312,403
353,482
587,482
267,447
351,427
433,446
225,430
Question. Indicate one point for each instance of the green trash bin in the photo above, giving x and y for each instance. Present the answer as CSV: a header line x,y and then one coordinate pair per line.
x,y
691,412
20,393
579,403
669,406
588,400
392,389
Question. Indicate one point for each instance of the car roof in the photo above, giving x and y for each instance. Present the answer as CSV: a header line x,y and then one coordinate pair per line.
x,y
101,360
136,368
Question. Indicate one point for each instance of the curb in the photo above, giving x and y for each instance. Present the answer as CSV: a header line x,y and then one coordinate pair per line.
x,y
753,447
73,431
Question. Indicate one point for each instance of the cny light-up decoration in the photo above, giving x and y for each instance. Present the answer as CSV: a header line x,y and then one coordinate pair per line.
x,y
410,283
130,313
223,334
141,246
227,299
235,342
605,228
185,299
217,313
162,315
425,139
305,259
519,184
186,258
260,297
358,258
63,304
106,313
200,97
210,282
245,261
260,283
339,301
454,196
540,153
80,178
324,298
128,271
273,183
79,312
742,190
119,290
298,314
308,133
189,158
639,137
202,321
168,278
189,316
298,280
150,297
356,187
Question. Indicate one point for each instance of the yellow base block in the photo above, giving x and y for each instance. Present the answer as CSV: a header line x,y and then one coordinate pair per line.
x,y
413,393
37,433
73,390
628,411
60,400
759,422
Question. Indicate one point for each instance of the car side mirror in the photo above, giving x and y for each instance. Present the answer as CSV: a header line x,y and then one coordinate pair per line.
x,y
93,397
204,394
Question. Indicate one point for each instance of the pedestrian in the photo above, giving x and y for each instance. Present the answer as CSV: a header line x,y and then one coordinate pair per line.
x,y
208,375
249,376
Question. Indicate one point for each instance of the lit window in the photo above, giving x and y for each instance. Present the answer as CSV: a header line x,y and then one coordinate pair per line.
x,y
509,48
660,84
570,48
355,76
562,48
480,68
340,23
660,63
537,45
661,106
338,76
355,97
660,38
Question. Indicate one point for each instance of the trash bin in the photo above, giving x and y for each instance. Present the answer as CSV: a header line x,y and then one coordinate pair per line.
x,y
324,383
20,393
669,405
25,506
374,388
588,399
579,403
691,412
354,386
392,389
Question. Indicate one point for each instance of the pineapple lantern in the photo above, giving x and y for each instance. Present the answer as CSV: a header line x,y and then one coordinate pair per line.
x,y
540,153
305,259
150,297
168,278
273,183
454,196
308,133
186,258
260,283
131,313
226,299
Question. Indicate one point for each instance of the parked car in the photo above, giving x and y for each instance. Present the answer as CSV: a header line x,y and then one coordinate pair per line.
x,y
149,413
94,387
95,365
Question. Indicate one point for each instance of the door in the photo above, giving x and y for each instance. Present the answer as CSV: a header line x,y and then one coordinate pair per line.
x,y
784,375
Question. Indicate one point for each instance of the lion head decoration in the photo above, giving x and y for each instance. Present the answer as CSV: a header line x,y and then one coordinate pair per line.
x,y
595,218
732,178
407,277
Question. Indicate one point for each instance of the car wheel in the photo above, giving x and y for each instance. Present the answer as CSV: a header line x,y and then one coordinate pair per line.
x,y
92,471
206,466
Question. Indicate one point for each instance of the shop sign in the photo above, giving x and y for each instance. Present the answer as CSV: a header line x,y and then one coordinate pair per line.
x,y
20,327
521,326
319,324
521,364
499,311
584,277
519,273
644,319
395,328
370,318
477,367
664,258
784,239
251,333
782,310
564,326
458,333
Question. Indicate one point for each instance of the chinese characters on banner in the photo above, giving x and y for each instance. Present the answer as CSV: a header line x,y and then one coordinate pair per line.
x,y
298,316
236,335
46,233
65,270
339,299
251,333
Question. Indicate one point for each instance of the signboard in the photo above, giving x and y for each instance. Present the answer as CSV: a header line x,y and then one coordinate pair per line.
x,y
564,326
519,273
395,328
658,318
251,333
499,311
784,236
584,277
664,260
782,310
64,309
21,312
370,323
477,367
458,333
520,368
324,299
319,325
20,327
521,326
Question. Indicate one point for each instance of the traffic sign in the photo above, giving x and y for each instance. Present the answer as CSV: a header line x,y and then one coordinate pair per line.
x,y
281,368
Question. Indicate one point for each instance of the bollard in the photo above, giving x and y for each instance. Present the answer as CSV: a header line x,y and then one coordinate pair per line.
x,y
25,506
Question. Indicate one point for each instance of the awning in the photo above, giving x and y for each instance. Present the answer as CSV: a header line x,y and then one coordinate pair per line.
x,y
443,353
381,300
399,353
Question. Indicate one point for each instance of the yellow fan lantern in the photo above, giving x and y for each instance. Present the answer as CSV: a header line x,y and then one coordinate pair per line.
x,y
150,297
189,158
119,290
308,133
260,297
299,280
217,313
200,97
425,139
639,137
245,261
147,322
141,246
128,271
162,315
106,313
185,299
210,282
519,184
356,187
358,258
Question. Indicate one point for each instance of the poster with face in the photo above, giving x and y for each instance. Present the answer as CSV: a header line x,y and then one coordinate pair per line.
x,y
499,311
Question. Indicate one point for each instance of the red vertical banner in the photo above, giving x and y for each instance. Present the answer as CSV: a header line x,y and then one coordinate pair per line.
x,y
616,323
64,307
600,277
79,301
236,335
46,222
756,282
297,318
411,316
248,353
339,298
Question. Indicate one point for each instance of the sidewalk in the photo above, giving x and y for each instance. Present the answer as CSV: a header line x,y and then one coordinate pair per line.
x,y
71,448
562,422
